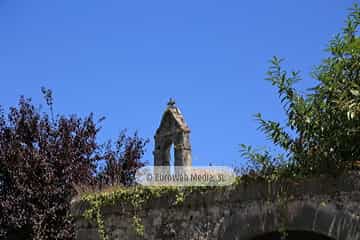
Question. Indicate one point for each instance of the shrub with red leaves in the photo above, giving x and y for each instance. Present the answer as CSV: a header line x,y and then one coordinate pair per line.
x,y
42,158
122,160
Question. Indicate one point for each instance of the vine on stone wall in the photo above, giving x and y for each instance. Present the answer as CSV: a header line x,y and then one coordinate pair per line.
x,y
134,197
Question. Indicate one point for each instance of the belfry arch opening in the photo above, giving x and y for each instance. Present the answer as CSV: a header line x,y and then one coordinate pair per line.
x,y
292,235
172,154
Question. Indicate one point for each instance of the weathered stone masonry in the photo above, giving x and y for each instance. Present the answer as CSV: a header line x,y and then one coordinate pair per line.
x,y
173,130
329,206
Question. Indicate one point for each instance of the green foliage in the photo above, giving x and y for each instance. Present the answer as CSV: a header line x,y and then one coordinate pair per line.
x,y
134,198
180,197
139,227
322,130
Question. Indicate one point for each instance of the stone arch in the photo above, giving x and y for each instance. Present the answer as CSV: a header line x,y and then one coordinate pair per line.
x,y
172,131
292,235
308,217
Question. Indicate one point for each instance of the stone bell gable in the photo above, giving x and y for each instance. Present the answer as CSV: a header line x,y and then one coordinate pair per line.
x,y
172,130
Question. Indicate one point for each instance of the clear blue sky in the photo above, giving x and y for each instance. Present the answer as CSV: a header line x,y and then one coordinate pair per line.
x,y
125,59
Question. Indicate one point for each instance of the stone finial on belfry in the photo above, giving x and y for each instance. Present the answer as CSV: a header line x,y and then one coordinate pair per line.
x,y
171,102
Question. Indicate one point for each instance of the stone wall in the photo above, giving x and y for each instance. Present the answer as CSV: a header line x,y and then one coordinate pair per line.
x,y
330,206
